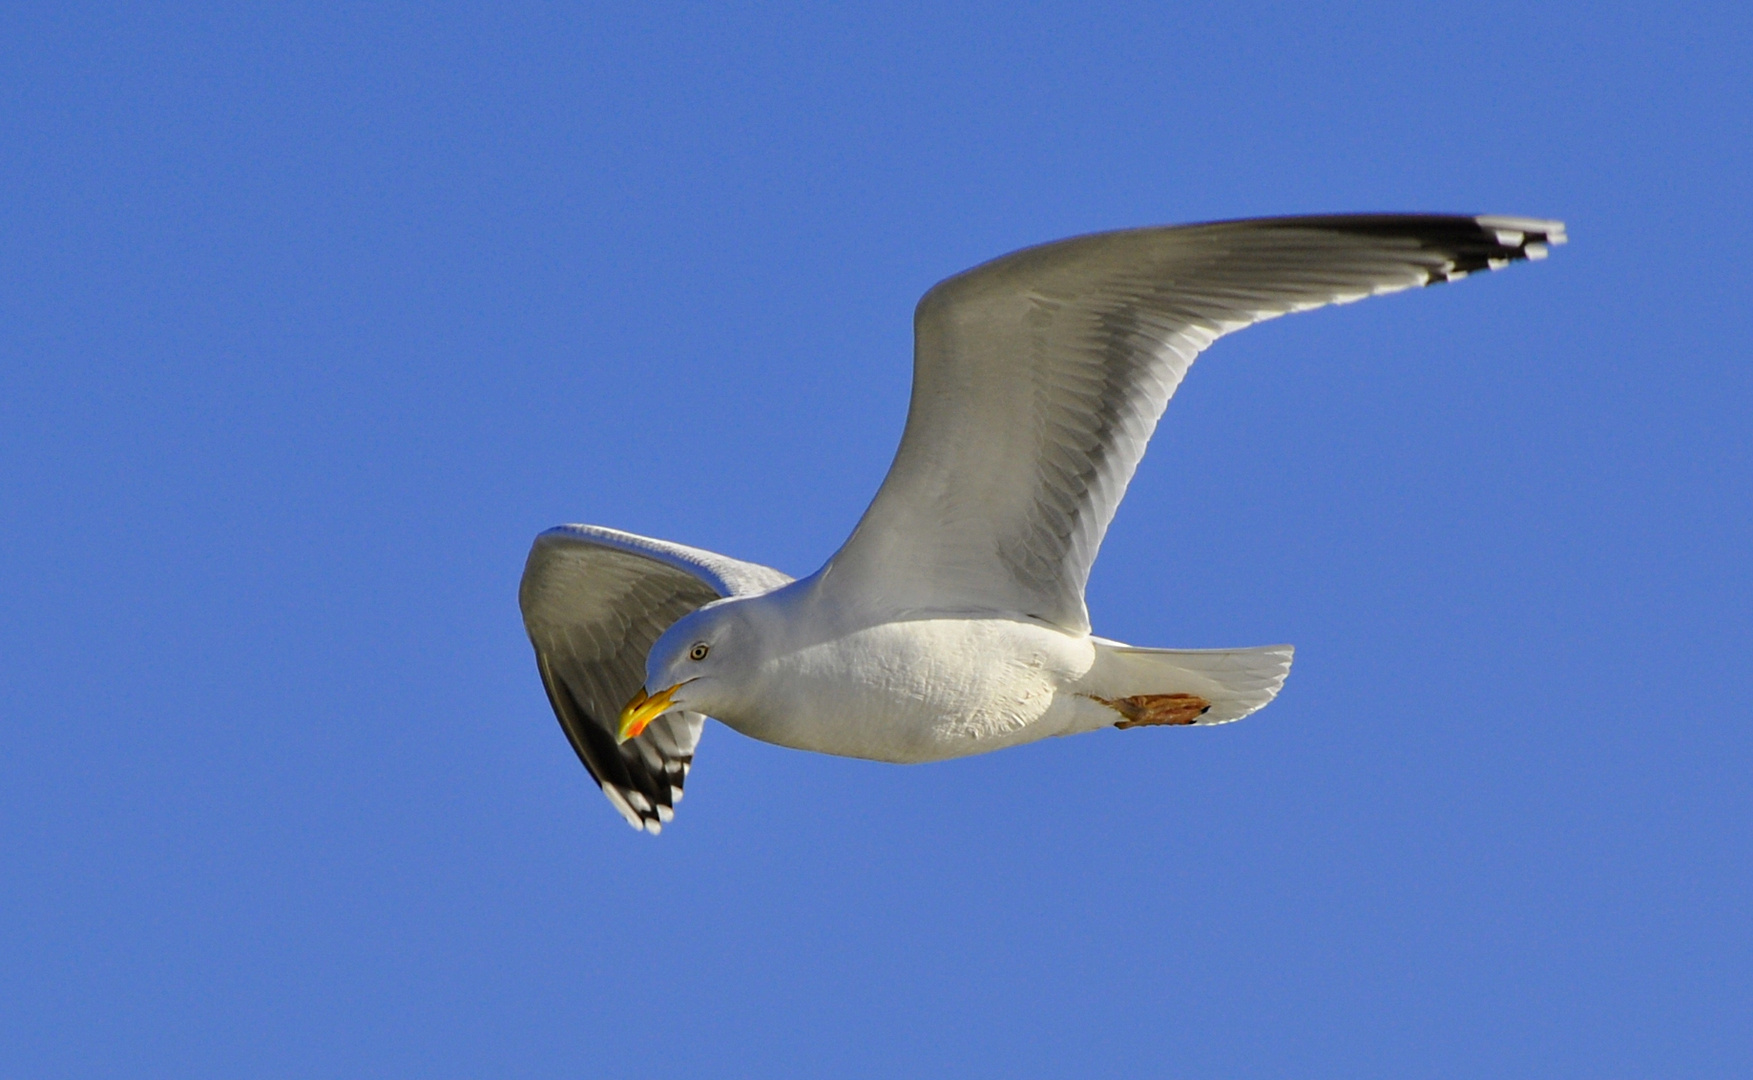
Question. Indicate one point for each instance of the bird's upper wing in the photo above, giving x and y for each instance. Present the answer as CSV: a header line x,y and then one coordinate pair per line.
x,y
593,601
1039,377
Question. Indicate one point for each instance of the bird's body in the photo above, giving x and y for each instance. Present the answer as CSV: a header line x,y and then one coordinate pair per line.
x,y
952,622
908,688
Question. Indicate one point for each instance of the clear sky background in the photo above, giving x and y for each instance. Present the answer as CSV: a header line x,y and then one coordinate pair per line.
x,y
311,319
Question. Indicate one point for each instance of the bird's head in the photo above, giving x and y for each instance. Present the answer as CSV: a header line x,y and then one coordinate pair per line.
x,y
698,665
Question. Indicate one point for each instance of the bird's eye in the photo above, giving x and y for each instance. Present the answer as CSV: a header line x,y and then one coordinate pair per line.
x,y
698,652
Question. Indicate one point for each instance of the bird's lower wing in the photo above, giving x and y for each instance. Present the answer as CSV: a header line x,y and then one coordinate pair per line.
x,y
593,601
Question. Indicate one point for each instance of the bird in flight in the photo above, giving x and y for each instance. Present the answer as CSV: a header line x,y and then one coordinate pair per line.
x,y
952,621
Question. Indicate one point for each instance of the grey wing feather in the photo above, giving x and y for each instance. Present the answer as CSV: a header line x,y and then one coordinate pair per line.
x,y
594,600
1039,378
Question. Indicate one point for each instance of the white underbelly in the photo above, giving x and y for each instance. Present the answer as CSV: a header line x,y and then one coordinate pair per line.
x,y
924,690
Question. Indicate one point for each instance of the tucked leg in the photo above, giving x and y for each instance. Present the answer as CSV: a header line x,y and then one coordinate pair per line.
x,y
1147,710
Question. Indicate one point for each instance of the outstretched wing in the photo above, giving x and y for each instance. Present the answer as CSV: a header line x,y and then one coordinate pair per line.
x,y
1039,377
593,601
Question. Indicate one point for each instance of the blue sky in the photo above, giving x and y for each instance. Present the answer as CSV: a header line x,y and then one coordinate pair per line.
x,y
311,319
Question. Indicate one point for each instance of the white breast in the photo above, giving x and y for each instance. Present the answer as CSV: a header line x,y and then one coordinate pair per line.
x,y
920,690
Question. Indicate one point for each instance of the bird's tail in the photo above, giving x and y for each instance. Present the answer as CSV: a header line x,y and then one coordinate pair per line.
x,y
1185,686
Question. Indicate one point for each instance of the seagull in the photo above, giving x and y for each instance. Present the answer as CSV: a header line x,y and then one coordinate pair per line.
x,y
952,621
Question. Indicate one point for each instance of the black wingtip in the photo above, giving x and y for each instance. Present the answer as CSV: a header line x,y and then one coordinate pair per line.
x,y
644,798
1467,244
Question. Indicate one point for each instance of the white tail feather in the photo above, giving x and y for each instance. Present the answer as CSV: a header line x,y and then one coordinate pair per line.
x,y
1235,681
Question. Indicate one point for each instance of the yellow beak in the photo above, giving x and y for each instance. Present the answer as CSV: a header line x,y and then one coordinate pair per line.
x,y
642,710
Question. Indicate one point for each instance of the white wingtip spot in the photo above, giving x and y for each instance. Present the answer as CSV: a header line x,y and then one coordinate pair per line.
x,y
653,827
619,802
1510,237
665,814
675,795
1536,251
1544,231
